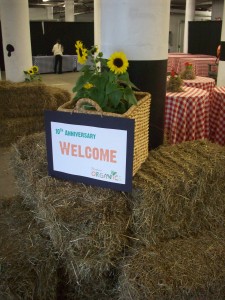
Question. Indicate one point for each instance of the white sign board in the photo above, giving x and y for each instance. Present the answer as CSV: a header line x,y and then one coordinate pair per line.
x,y
90,148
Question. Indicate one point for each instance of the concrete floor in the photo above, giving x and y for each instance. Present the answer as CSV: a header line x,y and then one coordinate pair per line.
x,y
8,186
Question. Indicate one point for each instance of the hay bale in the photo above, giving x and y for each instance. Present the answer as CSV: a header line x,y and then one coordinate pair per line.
x,y
179,192
191,268
90,227
28,150
101,288
29,99
22,108
14,128
28,266
61,95
87,225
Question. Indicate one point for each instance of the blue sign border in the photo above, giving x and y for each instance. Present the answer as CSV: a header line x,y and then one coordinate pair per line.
x,y
96,121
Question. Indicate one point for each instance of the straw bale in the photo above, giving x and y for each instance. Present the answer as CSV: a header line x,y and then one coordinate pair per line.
x,y
28,264
11,129
22,108
87,225
61,95
29,163
190,268
179,191
29,99
101,288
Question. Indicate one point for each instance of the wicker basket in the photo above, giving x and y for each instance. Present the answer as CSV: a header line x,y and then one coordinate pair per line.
x,y
140,113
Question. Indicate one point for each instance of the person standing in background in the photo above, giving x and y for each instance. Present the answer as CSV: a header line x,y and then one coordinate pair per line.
x,y
58,52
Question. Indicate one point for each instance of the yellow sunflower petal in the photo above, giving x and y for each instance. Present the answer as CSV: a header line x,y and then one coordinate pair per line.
x,y
78,44
81,52
82,56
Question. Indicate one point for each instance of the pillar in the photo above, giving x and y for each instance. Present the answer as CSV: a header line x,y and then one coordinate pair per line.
x,y
16,38
69,10
217,9
221,68
189,16
140,29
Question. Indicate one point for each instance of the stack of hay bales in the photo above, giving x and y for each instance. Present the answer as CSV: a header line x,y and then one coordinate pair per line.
x,y
165,240
22,108
28,265
179,220
87,225
179,192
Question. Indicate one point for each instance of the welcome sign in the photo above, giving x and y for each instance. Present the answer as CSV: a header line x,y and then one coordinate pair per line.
x,y
89,148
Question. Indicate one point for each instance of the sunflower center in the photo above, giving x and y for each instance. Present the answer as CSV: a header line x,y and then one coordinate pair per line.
x,y
118,62
80,52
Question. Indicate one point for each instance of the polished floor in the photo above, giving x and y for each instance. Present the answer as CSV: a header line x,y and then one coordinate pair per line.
x,y
7,180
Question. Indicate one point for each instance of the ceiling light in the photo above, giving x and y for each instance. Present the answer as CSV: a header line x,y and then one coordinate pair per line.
x,y
45,0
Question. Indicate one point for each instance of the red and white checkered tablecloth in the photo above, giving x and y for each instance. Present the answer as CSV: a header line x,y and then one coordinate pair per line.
x,y
174,58
217,116
200,65
204,83
186,115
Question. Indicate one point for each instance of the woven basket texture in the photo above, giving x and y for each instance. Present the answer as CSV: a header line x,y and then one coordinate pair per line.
x,y
140,113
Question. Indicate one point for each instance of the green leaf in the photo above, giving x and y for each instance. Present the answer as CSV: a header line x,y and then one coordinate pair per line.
x,y
81,81
100,81
115,98
98,96
129,96
85,68
122,108
111,87
124,78
81,94
112,77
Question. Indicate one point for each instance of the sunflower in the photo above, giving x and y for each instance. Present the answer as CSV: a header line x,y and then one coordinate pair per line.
x,y
118,63
35,69
81,52
88,85
31,72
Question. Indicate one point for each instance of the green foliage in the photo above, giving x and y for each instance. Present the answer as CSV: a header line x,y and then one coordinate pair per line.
x,y
32,74
113,92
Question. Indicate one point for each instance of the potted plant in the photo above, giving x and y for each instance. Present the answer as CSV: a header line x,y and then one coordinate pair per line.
x,y
174,83
104,88
188,72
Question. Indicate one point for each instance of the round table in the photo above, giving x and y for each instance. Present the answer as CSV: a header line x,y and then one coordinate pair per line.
x,y
200,65
204,83
186,115
217,116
